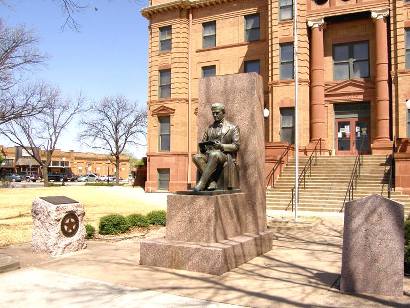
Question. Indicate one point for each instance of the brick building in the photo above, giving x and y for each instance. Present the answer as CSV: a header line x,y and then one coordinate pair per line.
x,y
77,163
354,75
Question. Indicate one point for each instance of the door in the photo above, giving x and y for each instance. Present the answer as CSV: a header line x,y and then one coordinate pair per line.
x,y
352,136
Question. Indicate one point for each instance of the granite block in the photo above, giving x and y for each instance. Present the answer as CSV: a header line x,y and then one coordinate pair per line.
x,y
373,242
47,230
210,258
209,219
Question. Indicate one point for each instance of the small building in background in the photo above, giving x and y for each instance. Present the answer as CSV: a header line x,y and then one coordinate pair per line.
x,y
17,160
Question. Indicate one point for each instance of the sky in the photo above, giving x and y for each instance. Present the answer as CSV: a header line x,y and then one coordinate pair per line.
x,y
106,57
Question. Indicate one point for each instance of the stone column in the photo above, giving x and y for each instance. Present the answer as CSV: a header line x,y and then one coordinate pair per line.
x,y
317,83
382,110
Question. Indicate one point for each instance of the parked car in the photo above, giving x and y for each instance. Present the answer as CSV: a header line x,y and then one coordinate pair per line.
x,y
87,178
12,177
106,178
57,177
30,176
72,177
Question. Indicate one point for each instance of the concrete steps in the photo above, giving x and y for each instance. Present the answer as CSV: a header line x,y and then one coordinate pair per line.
x,y
325,189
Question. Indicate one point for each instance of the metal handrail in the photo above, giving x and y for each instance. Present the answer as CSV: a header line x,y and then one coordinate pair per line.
x,y
392,170
271,175
354,176
302,175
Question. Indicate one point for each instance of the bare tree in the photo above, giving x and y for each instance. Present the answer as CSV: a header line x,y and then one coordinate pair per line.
x,y
28,100
113,124
72,7
42,131
18,53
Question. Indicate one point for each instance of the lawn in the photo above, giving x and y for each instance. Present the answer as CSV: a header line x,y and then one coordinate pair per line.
x,y
15,206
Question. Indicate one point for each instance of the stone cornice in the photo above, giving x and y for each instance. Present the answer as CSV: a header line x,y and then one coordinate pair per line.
x,y
148,12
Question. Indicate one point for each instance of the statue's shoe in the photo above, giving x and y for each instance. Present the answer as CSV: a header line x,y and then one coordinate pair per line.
x,y
212,186
199,187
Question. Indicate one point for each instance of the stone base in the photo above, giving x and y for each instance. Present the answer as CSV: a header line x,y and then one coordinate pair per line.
x,y
207,233
373,241
7,263
47,234
210,258
382,147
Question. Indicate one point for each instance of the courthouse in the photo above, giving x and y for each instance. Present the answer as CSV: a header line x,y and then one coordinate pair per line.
x,y
354,75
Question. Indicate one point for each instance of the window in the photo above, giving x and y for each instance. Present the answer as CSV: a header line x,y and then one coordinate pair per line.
x,y
209,34
287,127
208,71
252,66
164,133
252,27
285,9
163,179
286,61
408,48
164,83
351,61
165,42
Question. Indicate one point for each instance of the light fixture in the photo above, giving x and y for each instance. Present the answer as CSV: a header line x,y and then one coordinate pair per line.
x,y
408,103
266,112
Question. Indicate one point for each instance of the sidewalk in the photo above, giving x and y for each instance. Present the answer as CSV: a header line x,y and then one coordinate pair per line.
x,y
301,270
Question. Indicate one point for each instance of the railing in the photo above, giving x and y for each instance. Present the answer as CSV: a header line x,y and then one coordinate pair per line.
x,y
308,166
354,176
392,171
271,176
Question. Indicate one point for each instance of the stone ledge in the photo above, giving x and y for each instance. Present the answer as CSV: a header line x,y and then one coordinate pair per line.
x,y
210,258
7,263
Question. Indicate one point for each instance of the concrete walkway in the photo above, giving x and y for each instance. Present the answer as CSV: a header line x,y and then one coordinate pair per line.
x,y
301,270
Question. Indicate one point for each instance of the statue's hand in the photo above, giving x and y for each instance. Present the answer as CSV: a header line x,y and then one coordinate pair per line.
x,y
218,145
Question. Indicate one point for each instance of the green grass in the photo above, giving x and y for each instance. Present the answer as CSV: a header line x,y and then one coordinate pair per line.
x,y
15,206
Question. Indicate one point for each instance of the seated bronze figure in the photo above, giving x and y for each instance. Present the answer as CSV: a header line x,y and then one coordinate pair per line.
x,y
217,161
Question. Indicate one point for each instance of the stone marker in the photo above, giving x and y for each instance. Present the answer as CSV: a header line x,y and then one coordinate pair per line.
x,y
58,225
373,247
214,233
7,263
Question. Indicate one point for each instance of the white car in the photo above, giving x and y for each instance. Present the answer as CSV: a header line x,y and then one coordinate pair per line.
x,y
87,178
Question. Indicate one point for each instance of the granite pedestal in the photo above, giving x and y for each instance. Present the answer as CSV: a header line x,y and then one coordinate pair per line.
x,y
58,225
208,234
373,247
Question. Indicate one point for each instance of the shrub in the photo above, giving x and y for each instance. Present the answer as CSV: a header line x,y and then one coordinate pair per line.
x,y
407,231
157,217
137,220
407,254
90,231
113,224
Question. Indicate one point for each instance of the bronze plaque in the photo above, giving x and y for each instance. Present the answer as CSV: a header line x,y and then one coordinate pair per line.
x,y
70,224
58,200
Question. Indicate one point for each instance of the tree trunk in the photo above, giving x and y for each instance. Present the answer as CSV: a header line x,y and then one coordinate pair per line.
x,y
117,169
45,175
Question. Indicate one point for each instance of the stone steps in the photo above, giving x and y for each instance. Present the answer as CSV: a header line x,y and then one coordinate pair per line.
x,y
325,189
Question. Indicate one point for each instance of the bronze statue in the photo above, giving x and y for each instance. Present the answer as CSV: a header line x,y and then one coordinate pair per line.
x,y
217,161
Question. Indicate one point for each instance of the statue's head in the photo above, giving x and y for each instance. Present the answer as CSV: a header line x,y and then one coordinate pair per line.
x,y
218,111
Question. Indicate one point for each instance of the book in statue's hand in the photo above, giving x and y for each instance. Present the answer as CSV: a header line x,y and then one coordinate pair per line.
x,y
208,142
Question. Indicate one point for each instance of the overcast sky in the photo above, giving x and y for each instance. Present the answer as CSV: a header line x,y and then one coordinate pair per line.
x,y
107,57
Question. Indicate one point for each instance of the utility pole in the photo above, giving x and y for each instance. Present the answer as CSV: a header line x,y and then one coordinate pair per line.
x,y
296,78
